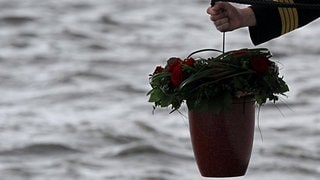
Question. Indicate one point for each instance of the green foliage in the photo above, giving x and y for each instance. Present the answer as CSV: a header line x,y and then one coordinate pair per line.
x,y
214,82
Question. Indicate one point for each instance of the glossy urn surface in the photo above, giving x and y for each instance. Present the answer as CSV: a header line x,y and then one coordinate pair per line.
x,y
222,143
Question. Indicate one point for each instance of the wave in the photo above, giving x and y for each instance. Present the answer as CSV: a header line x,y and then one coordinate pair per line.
x,y
16,19
113,137
108,20
309,92
295,169
148,149
136,149
40,149
285,104
292,152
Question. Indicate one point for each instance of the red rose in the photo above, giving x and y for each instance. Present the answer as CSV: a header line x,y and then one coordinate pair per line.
x,y
172,63
158,69
189,61
177,75
260,64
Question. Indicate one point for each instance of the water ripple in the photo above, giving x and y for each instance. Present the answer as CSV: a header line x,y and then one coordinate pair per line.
x,y
15,19
40,149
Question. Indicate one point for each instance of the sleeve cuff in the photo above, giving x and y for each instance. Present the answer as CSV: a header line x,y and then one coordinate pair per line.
x,y
268,24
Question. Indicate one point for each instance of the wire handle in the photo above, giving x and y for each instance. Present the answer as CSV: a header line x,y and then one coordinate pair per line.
x,y
213,2
203,50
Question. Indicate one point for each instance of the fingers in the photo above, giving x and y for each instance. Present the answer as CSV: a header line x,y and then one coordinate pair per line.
x,y
219,16
222,24
220,20
223,27
220,6
214,11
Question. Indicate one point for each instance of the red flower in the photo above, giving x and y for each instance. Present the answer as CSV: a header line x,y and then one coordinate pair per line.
x,y
189,61
172,63
174,66
260,64
177,75
158,69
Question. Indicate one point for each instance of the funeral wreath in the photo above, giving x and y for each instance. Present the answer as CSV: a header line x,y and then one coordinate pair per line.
x,y
215,81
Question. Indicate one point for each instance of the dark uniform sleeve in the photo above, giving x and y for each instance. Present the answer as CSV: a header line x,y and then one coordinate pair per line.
x,y
272,22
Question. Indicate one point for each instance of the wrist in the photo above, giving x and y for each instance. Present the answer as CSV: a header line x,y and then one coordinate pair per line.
x,y
248,17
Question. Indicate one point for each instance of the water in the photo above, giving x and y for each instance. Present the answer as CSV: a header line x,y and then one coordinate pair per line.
x,y
74,77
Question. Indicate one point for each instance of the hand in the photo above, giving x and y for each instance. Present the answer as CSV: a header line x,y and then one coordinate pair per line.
x,y
228,18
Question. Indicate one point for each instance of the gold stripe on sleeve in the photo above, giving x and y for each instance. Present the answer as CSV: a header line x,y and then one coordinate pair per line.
x,y
295,16
289,17
283,18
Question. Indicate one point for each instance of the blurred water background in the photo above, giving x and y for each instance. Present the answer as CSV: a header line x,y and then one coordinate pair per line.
x,y
74,77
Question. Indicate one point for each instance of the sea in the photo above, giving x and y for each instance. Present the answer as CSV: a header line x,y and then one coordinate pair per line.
x,y
74,75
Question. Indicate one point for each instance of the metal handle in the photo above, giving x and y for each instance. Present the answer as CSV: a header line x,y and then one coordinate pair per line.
x,y
212,3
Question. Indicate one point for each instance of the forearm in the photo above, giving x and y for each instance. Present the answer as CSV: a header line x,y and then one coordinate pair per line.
x,y
272,22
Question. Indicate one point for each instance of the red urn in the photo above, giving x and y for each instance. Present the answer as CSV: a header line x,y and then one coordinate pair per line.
x,y
222,143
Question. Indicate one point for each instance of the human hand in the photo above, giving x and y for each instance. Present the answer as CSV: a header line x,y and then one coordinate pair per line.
x,y
226,17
